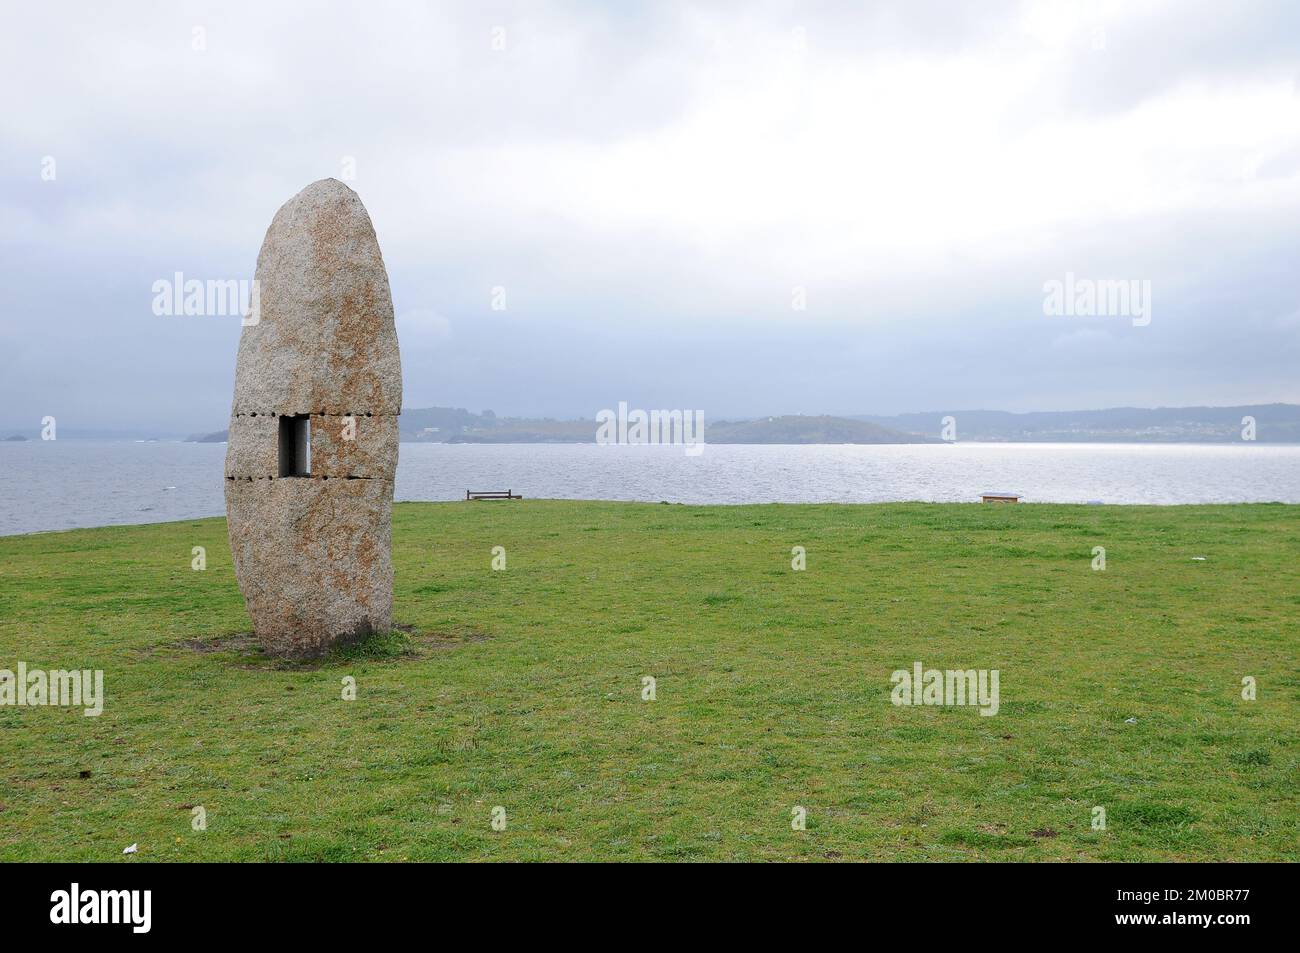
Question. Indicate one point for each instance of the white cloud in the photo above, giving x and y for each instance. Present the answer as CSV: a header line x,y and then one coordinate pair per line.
x,y
919,167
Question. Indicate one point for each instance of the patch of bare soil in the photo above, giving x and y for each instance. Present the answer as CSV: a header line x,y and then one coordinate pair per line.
x,y
445,640
378,649
232,642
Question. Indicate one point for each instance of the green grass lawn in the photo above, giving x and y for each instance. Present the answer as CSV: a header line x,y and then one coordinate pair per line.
x,y
523,689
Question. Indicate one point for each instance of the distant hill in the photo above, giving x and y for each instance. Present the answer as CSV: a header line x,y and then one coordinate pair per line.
x,y
446,425
1274,423
457,425
799,429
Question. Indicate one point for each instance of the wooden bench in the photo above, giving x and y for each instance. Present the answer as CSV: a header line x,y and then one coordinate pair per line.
x,y
999,497
491,495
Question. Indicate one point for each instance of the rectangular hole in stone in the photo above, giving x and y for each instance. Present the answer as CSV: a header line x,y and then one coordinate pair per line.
x,y
295,446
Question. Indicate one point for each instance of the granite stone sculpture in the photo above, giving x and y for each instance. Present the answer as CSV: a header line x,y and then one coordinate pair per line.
x,y
313,430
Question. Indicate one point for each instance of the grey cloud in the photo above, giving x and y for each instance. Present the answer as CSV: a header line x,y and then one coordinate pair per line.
x,y
170,160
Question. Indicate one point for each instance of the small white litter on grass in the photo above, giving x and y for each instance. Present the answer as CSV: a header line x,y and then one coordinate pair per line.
x,y
1131,721
1199,559
129,850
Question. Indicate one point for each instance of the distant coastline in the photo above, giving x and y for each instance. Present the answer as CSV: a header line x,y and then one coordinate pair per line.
x,y
1264,423
1273,423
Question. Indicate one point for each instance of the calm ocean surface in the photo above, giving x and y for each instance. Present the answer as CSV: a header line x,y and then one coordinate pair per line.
x,y
69,483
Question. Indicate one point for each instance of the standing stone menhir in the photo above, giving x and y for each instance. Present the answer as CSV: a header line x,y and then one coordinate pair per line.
x,y
313,430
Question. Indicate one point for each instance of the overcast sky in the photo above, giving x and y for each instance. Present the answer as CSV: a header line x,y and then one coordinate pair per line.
x,y
653,187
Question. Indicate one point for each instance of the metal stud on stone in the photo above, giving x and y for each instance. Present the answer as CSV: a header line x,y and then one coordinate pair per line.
x,y
313,430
